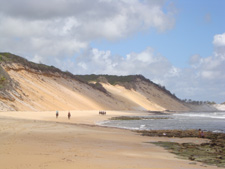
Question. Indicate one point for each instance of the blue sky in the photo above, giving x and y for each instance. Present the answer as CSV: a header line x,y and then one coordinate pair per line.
x,y
179,44
196,24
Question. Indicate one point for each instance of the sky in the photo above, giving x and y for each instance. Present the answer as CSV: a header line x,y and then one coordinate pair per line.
x,y
179,44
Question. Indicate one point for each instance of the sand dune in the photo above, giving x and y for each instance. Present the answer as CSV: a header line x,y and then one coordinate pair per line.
x,y
39,91
46,93
132,96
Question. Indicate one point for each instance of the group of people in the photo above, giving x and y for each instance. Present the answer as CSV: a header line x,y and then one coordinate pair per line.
x,y
102,112
57,114
69,114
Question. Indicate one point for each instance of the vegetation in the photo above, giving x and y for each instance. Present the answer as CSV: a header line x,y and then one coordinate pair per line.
x,y
99,87
112,79
198,102
212,153
207,152
136,118
2,79
126,118
127,81
11,58
1,58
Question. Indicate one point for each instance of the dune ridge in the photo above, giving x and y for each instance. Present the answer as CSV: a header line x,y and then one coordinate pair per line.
x,y
39,87
26,86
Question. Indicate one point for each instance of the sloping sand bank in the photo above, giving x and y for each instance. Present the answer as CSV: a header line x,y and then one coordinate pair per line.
x,y
37,140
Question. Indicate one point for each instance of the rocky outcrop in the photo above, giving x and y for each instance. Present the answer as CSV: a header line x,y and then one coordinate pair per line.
x,y
211,153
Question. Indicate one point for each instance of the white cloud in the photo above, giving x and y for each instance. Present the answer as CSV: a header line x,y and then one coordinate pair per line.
x,y
205,79
195,60
59,29
146,63
219,40
213,67
37,59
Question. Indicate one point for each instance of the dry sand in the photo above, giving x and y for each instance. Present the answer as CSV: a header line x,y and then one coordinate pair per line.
x,y
132,96
37,140
38,92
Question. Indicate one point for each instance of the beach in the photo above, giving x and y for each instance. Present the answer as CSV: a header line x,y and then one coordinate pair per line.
x,y
39,140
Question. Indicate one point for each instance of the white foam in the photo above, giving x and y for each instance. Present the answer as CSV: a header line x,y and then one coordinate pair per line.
x,y
218,131
215,115
102,123
142,126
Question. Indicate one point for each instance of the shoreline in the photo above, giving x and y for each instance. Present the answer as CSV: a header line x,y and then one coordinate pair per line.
x,y
38,141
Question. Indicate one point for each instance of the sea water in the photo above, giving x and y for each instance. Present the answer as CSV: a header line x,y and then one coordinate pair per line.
x,y
209,121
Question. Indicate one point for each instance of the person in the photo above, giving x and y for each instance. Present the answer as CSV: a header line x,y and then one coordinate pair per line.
x,y
57,114
69,115
199,133
202,134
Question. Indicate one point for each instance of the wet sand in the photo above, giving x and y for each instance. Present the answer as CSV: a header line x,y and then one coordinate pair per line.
x,y
37,140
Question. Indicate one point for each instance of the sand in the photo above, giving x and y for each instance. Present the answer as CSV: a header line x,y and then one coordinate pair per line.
x,y
132,96
37,140
37,91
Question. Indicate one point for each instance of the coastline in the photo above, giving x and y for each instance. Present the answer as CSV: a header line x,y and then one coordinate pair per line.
x,y
38,140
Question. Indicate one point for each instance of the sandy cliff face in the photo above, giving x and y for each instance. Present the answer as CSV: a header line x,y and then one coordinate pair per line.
x,y
39,90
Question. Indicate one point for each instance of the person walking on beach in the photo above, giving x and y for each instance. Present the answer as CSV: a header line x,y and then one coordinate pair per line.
x,y
57,114
69,115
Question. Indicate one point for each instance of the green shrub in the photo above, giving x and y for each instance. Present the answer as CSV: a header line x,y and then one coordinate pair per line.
x,y
1,57
2,79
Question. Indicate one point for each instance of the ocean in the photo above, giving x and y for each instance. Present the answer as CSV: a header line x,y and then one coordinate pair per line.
x,y
208,121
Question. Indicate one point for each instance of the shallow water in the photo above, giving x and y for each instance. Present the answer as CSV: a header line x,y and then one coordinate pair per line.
x,y
209,121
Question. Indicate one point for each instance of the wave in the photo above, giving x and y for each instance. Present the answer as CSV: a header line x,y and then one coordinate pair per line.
x,y
215,115
209,121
